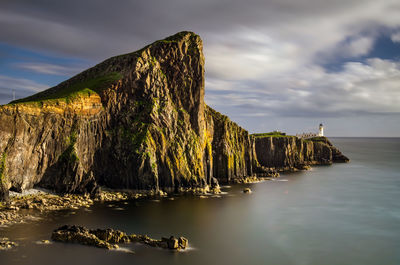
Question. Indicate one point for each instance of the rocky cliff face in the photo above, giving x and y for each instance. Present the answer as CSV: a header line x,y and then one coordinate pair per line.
x,y
291,153
137,121
134,121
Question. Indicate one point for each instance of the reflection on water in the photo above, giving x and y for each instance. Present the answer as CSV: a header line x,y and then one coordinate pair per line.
x,y
341,214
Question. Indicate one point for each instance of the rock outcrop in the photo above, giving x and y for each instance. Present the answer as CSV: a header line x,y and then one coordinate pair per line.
x,y
288,153
135,121
5,243
109,238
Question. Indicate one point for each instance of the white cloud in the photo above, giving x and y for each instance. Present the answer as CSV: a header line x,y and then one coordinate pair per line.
x,y
51,69
360,88
357,47
7,82
396,37
20,87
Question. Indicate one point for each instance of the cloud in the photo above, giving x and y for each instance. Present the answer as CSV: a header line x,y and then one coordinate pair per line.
x,y
50,69
20,86
396,37
357,47
263,57
359,89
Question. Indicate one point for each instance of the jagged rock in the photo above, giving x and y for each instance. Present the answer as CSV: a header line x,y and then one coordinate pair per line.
x,y
5,244
81,235
172,242
183,242
109,238
292,153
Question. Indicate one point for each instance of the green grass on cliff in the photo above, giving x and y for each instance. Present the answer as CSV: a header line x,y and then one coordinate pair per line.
x,y
271,134
70,92
69,155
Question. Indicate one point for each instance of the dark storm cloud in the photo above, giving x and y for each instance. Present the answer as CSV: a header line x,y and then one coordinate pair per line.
x,y
99,28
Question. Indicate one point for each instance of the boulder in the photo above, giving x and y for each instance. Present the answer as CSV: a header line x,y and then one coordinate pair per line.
x,y
246,190
183,242
5,243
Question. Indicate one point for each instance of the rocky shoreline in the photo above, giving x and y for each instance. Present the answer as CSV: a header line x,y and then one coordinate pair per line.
x,y
32,204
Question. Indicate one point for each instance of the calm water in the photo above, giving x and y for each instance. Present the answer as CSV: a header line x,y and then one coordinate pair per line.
x,y
340,214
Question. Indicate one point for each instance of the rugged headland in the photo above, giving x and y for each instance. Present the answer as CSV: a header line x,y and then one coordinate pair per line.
x,y
138,121
289,153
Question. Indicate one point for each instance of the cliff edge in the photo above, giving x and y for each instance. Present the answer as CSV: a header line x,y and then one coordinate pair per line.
x,y
289,153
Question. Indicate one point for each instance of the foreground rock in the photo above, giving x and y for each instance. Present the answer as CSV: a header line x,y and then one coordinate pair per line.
x,y
5,244
109,238
247,190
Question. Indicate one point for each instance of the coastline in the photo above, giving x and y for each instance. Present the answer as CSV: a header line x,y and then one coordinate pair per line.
x,y
31,205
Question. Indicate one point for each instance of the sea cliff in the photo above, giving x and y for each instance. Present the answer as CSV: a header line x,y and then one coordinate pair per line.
x,y
137,121
289,153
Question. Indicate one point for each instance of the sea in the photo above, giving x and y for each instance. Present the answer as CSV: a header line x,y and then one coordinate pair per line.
x,y
339,214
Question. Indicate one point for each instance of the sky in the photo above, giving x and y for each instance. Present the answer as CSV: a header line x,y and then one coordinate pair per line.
x,y
284,65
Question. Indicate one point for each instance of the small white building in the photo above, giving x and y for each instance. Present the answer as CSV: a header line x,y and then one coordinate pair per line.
x,y
321,130
310,134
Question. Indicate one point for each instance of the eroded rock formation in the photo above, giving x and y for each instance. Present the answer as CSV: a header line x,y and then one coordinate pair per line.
x,y
290,153
135,121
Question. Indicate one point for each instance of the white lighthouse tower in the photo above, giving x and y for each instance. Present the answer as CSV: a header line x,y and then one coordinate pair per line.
x,y
321,130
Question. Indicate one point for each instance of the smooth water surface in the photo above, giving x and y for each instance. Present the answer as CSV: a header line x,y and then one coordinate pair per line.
x,y
340,214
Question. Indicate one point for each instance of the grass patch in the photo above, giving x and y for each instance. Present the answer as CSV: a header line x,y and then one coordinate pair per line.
x,y
70,155
69,93
271,134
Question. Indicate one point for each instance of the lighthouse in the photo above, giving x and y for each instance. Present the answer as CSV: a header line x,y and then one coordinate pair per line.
x,y
321,130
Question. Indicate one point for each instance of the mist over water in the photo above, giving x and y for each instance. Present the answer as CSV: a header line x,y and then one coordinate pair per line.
x,y
339,214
